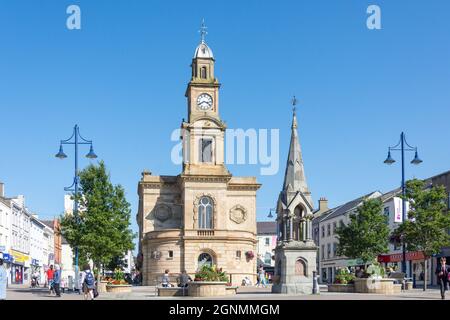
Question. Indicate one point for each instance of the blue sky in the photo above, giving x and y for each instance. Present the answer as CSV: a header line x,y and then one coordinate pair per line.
x,y
122,79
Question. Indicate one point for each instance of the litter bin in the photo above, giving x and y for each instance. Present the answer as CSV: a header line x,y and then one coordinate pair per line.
x,y
71,283
409,285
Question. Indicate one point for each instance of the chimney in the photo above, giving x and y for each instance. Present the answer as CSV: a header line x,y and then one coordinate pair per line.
x,y
2,189
323,205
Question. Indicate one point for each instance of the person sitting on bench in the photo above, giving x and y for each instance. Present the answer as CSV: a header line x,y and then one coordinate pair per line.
x,y
165,280
184,279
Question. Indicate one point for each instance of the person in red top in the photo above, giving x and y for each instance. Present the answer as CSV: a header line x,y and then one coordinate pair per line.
x,y
50,273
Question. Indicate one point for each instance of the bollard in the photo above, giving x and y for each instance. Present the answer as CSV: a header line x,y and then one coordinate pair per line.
x,y
315,283
414,281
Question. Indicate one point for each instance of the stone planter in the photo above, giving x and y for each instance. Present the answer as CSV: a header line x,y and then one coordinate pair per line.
x,y
101,286
231,290
347,288
207,289
379,286
118,288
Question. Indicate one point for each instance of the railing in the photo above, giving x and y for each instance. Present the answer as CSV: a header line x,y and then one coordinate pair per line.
x,y
205,233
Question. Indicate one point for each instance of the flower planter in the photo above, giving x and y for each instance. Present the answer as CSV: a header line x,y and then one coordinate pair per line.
x,y
336,287
207,289
101,286
373,285
118,288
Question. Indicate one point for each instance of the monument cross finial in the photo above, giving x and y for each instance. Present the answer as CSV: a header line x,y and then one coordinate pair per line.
x,y
203,31
294,103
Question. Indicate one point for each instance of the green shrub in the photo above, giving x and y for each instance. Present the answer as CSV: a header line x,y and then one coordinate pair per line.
x,y
343,276
211,273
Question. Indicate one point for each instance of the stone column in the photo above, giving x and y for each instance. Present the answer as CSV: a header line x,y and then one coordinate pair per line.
x,y
284,229
305,230
309,227
291,228
278,230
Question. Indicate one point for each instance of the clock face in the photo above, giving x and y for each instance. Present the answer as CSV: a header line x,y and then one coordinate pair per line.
x,y
204,101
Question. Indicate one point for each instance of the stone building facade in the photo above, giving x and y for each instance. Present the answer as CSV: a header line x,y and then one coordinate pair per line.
x,y
204,215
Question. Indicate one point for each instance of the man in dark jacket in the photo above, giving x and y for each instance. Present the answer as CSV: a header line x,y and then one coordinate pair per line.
x,y
184,279
442,272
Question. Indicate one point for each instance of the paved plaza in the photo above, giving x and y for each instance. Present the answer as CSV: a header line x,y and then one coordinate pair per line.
x,y
244,293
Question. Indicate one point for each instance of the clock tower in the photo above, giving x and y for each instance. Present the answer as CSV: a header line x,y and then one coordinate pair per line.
x,y
203,133
204,215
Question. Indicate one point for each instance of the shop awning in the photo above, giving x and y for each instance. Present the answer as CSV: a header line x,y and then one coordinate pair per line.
x,y
397,257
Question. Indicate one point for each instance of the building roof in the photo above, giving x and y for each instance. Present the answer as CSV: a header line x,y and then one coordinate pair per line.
x,y
48,223
203,51
351,205
266,227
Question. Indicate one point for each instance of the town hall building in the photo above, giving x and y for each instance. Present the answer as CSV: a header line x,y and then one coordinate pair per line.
x,y
204,215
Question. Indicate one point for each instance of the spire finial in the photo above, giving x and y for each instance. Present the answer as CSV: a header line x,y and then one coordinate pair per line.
x,y
294,103
294,109
203,31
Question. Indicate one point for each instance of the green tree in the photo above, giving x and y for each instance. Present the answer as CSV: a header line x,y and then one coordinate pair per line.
x,y
367,234
426,228
117,263
102,229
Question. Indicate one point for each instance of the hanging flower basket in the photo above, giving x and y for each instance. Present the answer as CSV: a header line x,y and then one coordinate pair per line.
x,y
249,255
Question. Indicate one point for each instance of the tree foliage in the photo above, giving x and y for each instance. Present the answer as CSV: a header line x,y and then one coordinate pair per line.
x,y
367,234
101,230
426,228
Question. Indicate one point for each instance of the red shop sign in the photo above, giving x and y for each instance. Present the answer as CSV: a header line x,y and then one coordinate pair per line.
x,y
416,255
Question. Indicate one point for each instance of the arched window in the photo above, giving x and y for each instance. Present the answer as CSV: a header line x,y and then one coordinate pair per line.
x,y
204,259
300,267
205,150
203,73
205,213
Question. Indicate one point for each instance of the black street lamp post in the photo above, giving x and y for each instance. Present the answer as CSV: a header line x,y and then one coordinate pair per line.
x,y
403,146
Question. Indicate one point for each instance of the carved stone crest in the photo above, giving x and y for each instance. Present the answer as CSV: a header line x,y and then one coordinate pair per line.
x,y
238,214
163,212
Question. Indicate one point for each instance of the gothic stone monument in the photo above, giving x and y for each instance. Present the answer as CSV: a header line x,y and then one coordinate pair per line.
x,y
296,252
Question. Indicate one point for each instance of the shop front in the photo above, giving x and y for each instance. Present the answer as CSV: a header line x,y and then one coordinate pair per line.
x,y
36,270
7,261
19,266
415,266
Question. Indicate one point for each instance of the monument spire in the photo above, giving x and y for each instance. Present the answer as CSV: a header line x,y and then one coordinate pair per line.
x,y
294,177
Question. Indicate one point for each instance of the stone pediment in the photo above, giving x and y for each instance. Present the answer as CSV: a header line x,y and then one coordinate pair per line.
x,y
206,122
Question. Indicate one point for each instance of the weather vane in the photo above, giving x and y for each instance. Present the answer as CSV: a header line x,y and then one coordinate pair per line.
x,y
294,103
203,31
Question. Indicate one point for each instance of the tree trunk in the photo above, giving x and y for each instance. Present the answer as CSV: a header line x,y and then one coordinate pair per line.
x,y
425,275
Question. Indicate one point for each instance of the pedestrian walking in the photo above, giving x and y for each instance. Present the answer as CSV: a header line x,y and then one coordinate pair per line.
x,y
57,280
3,280
50,273
262,277
88,282
443,272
